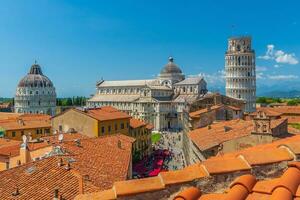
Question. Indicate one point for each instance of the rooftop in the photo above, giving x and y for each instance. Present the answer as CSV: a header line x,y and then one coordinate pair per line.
x,y
26,121
219,132
248,160
249,187
99,161
102,114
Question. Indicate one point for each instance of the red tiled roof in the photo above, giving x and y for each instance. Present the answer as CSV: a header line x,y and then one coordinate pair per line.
x,y
136,123
107,113
217,133
38,180
26,121
246,187
220,132
243,161
103,160
196,114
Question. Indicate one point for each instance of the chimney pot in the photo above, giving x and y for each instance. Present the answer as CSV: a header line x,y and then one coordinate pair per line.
x,y
16,192
60,163
68,167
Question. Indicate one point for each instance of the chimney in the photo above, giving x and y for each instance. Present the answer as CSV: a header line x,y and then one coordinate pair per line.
x,y
21,122
56,195
60,163
78,142
227,128
119,144
24,154
68,167
16,192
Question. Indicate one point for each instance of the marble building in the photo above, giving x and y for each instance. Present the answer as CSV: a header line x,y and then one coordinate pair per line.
x,y
240,71
159,101
35,93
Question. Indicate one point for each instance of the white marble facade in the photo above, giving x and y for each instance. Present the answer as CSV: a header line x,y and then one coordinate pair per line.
x,y
35,93
158,101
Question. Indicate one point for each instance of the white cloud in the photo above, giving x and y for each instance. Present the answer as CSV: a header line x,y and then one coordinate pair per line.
x,y
260,75
282,77
277,66
214,78
261,68
279,56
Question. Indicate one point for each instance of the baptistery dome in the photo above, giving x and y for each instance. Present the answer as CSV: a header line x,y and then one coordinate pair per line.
x,y
35,93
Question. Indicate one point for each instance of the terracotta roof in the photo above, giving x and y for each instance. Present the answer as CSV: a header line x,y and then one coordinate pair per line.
x,y
102,160
136,123
149,126
247,187
215,134
107,113
287,109
38,180
243,161
26,121
220,132
226,165
196,114
269,112
7,115
102,114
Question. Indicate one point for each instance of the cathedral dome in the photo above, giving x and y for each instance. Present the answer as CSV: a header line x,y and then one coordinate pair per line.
x,y
35,78
171,67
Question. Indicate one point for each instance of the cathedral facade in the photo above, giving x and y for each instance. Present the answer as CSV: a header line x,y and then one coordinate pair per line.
x,y
35,93
159,101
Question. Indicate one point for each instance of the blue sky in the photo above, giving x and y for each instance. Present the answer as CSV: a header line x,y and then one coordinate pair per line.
x,y
78,42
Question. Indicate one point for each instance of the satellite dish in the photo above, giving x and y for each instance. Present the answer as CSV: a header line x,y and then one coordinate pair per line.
x,y
60,137
24,138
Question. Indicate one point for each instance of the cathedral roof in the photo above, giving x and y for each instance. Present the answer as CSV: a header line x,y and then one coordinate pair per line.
x,y
35,78
171,68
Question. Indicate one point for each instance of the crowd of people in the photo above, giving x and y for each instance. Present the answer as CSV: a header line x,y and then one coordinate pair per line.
x,y
167,155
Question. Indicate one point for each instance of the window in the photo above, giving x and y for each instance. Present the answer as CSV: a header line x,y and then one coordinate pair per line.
x,y
116,126
122,125
60,128
127,125
47,130
102,129
13,134
22,133
37,131
109,128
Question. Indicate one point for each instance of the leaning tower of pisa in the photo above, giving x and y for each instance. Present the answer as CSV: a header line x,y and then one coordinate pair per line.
x,y
240,71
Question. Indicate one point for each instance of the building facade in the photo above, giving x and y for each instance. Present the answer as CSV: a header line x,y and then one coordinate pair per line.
x,y
159,101
35,93
240,71
96,122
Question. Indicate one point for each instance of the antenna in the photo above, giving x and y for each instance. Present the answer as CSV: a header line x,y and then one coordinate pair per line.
x,y
60,137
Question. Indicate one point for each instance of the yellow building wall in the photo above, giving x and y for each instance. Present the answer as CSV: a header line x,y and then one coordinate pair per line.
x,y
79,121
143,140
13,161
112,124
18,133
